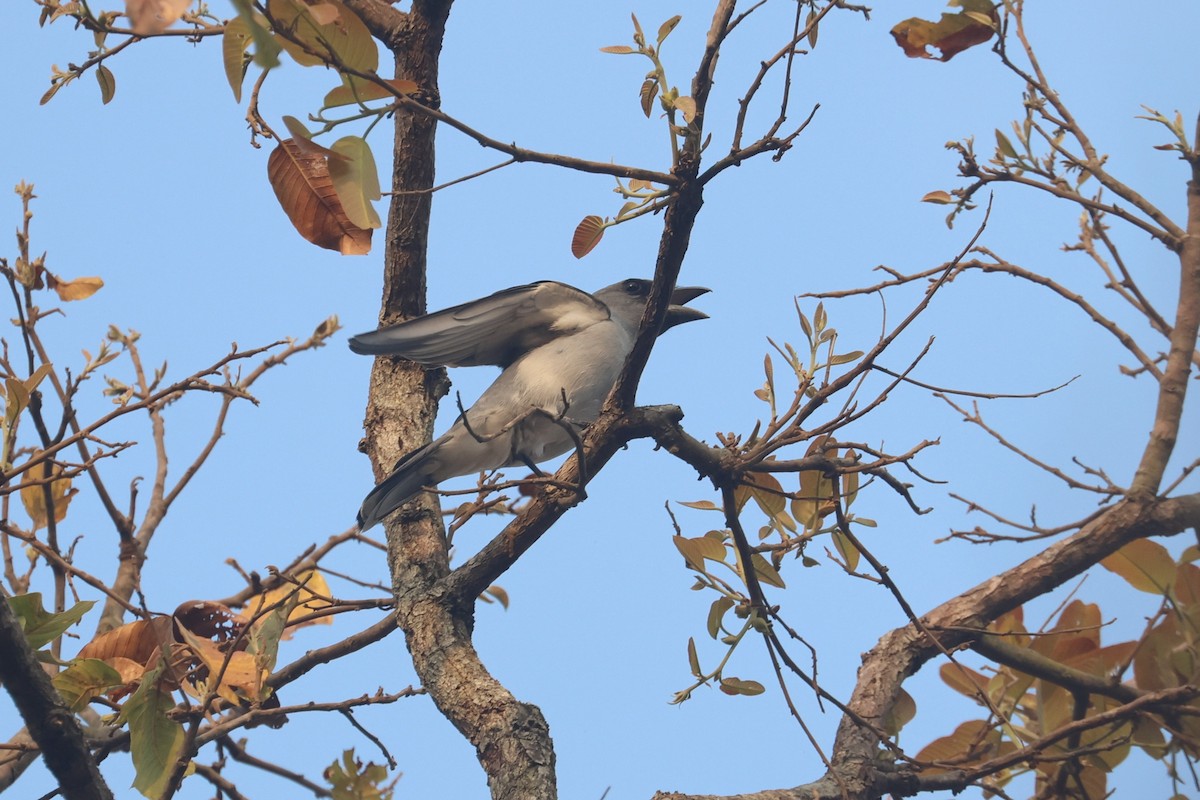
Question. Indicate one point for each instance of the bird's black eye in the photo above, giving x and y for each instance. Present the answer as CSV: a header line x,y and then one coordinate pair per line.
x,y
635,287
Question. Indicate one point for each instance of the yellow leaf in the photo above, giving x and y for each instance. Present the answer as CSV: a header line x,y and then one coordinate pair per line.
x,y
1145,565
311,591
237,38
686,106
77,289
329,33
108,84
356,90
33,493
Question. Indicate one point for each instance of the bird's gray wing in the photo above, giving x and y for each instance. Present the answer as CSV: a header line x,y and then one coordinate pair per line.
x,y
497,329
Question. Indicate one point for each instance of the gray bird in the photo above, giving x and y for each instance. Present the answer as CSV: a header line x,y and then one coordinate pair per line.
x,y
561,350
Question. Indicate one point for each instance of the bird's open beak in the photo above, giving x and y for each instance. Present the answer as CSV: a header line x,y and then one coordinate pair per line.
x,y
677,312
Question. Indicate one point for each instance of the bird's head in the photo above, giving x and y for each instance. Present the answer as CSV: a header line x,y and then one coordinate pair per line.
x,y
627,300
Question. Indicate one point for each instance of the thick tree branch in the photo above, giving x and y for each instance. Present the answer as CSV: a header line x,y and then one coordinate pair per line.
x,y
49,721
1173,386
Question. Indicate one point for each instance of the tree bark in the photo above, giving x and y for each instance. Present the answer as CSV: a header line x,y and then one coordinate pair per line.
x,y
49,721
512,739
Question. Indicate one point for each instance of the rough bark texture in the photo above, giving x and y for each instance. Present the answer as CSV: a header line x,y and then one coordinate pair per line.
x,y
50,723
511,738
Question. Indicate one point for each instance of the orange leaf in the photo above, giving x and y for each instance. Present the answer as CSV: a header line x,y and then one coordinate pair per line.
x,y
304,187
587,235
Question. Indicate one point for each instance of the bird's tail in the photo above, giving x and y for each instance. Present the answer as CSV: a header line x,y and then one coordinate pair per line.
x,y
407,477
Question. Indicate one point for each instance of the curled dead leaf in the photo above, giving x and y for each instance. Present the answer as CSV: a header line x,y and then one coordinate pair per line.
x,y
952,34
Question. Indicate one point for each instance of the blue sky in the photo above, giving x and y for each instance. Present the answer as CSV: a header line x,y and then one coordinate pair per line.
x,y
160,194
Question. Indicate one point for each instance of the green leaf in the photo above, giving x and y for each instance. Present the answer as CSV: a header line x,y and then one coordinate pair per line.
x,y
329,32
766,573
716,613
350,780
108,84
41,626
356,180
845,358
846,549
262,641
238,37
900,714
356,90
266,46
18,399
85,679
1004,145
155,740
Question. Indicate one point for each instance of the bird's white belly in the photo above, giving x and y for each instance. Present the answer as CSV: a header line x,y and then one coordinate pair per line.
x,y
558,384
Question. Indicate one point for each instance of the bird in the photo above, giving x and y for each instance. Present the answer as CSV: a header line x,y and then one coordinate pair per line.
x,y
560,350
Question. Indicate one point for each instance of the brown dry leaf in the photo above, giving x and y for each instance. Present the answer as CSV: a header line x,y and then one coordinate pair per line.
x,y
952,34
138,641
33,494
964,680
304,187
210,620
76,289
149,17
587,235
131,671
972,741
